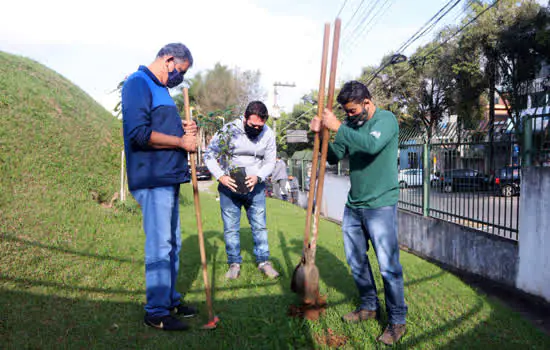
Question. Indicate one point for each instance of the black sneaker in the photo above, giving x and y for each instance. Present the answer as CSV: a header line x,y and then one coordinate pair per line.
x,y
187,311
166,323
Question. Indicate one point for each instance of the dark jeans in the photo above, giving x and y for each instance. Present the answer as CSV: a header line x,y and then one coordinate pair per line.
x,y
380,227
161,223
254,204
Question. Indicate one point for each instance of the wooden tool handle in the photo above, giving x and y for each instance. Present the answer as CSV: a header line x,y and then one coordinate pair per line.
x,y
198,212
316,142
326,135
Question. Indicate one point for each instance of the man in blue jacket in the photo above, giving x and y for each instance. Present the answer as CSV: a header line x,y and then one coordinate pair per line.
x,y
156,143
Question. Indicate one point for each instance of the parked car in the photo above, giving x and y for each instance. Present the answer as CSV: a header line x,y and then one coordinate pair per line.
x,y
464,179
435,179
413,177
507,181
203,173
410,178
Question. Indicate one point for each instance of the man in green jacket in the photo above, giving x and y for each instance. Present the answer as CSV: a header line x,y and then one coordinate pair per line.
x,y
368,137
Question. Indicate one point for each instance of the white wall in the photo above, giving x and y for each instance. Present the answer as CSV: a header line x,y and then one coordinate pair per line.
x,y
534,233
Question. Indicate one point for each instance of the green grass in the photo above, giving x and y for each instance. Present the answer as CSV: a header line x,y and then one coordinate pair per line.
x,y
72,274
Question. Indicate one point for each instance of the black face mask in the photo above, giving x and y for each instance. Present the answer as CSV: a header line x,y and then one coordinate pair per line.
x,y
174,78
358,120
252,133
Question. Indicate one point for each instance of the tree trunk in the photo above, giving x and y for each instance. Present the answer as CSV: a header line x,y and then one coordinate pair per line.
x,y
492,81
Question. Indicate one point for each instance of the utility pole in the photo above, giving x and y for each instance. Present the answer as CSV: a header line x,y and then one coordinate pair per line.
x,y
276,109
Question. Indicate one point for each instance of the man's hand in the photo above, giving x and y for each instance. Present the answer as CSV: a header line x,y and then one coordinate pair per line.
x,y
330,121
228,182
190,128
189,143
251,181
315,124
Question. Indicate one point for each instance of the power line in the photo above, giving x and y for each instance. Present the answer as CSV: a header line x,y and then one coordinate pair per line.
x,y
366,13
371,24
341,8
303,114
437,21
414,37
362,26
428,26
353,15
423,57
464,10
446,40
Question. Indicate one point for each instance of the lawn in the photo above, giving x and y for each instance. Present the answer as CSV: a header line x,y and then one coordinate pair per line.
x,y
87,291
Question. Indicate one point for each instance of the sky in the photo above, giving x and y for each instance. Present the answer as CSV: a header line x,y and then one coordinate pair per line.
x,y
95,44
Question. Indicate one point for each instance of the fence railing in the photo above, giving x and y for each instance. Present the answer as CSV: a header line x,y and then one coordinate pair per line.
x,y
472,178
465,184
468,177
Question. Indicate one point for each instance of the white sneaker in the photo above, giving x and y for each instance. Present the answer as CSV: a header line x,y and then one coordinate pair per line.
x,y
268,269
233,272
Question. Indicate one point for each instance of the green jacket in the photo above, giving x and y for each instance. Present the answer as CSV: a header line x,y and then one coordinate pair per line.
x,y
372,151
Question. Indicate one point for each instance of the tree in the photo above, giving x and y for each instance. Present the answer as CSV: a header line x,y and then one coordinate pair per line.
x,y
391,88
298,119
216,89
514,40
520,51
222,88
220,94
248,88
420,92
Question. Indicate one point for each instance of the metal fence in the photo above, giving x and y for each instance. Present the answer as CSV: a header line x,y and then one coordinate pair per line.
x,y
471,177
298,169
468,177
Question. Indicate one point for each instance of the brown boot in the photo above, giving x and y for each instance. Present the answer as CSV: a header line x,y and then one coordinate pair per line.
x,y
361,315
392,333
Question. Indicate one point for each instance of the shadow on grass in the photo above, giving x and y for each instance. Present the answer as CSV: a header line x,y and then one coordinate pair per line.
x,y
190,263
69,251
336,275
332,271
250,317
246,243
28,283
494,331
192,270
425,337
214,255
48,321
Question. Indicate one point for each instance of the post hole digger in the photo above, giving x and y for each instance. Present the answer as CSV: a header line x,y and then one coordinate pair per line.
x,y
305,279
212,319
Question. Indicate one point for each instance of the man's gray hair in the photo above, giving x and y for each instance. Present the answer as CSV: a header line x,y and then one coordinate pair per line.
x,y
178,50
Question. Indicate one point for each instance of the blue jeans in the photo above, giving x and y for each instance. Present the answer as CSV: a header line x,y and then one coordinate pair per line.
x,y
254,204
380,227
161,223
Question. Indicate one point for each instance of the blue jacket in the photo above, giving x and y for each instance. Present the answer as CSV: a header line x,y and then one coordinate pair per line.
x,y
146,107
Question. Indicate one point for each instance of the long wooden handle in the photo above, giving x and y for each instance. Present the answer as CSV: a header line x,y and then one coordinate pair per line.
x,y
324,146
316,141
198,213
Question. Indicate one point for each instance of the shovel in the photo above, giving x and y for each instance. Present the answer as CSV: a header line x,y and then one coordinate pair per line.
x,y
212,319
305,279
